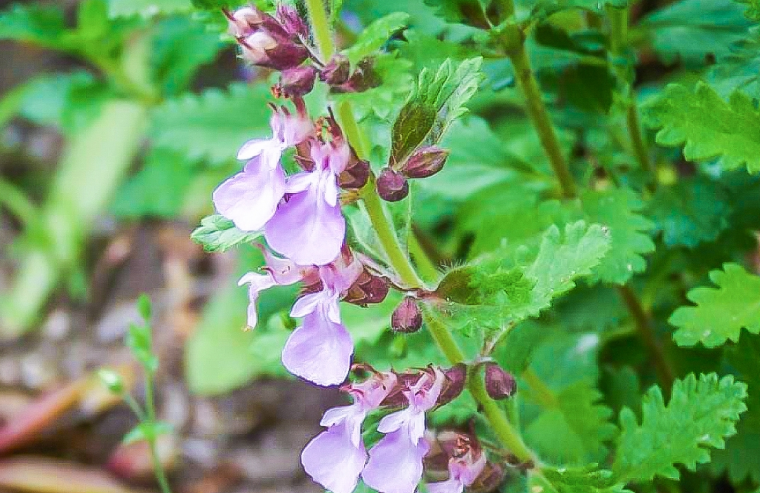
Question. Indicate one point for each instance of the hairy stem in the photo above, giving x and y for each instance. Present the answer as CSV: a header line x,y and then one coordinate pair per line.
x,y
320,28
648,337
538,114
427,268
508,436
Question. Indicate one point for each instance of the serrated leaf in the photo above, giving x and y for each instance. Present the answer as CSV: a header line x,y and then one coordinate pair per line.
x,y
584,480
575,430
545,8
691,212
692,29
218,234
470,12
214,124
374,36
707,126
720,313
435,102
146,8
618,211
753,9
740,68
701,414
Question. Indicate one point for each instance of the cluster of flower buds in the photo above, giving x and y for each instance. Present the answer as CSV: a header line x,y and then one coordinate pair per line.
x,y
337,457
392,184
457,460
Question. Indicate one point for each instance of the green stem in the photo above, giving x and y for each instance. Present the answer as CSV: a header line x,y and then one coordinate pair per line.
x,y
17,202
618,40
353,132
427,268
644,328
538,114
503,429
320,26
150,411
387,236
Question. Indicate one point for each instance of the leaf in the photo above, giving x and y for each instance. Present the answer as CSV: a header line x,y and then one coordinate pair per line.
x,y
34,23
470,12
147,431
706,125
753,9
573,431
691,212
701,414
740,68
692,29
545,8
218,234
618,211
158,189
374,36
435,102
720,313
739,458
179,47
585,480
213,125
146,8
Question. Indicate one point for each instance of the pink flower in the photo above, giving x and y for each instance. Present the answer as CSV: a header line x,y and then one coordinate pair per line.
x,y
463,472
395,463
309,227
336,457
250,198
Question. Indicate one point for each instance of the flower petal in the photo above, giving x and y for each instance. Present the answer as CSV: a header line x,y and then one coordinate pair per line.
x,y
257,283
333,461
254,147
319,351
451,485
250,199
395,464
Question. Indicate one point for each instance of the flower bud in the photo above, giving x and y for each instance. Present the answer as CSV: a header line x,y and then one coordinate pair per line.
x,y
392,186
456,376
243,21
263,48
296,81
336,71
425,162
364,77
407,317
499,383
291,21
367,289
356,173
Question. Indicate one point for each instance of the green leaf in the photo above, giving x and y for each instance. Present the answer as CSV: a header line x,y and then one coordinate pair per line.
x,y
213,125
218,234
753,9
720,313
740,68
147,431
180,46
706,125
435,102
34,23
158,189
692,29
545,8
691,212
739,458
618,211
575,429
470,12
146,8
374,36
585,480
701,414
144,307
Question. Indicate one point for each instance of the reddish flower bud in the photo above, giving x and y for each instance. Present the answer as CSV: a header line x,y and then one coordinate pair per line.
x,y
364,77
367,289
499,383
336,71
407,317
392,186
297,81
268,49
425,162
291,21
243,21
456,376
356,173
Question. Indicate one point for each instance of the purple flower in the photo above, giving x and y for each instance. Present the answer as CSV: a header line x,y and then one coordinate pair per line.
x,y
309,227
395,463
463,472
250,198
320,349
336,457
